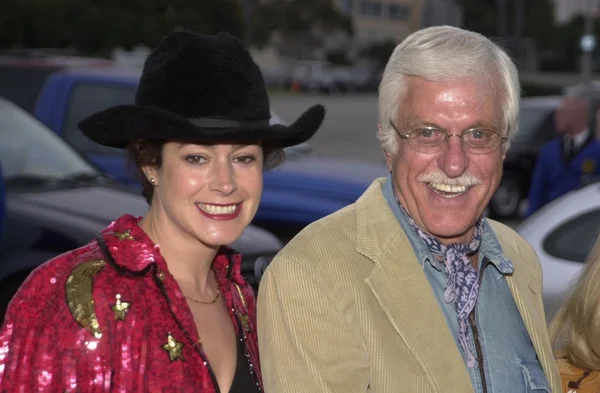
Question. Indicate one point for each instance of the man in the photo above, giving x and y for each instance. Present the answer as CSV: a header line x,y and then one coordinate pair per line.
x,y
409,289
568,161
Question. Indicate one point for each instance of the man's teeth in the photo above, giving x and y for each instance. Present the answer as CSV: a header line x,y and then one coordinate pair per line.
x,y
448,188
216,209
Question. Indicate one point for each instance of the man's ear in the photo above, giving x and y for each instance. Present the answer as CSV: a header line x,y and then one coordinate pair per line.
x,y
389,157
388,160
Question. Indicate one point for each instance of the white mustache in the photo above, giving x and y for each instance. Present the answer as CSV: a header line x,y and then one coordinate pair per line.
x,y
438,176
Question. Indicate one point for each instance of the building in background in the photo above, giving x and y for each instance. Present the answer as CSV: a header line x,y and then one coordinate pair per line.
x,y
381,20
565,10
441,12
374,22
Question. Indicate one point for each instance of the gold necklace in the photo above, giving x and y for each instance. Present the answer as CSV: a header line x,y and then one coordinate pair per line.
x,y
191,299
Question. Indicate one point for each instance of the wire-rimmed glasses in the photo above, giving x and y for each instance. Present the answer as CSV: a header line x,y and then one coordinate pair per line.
x,y
428,139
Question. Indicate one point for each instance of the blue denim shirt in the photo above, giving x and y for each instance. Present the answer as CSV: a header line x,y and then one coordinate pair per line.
x,y
509,359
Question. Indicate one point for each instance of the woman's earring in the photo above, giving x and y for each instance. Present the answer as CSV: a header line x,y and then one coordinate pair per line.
x,y
152,180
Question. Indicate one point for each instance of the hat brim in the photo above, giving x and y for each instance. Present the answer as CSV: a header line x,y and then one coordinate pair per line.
x,y
117,126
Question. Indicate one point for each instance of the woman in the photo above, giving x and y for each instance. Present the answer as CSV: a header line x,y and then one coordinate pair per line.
x,y
158,304
575,331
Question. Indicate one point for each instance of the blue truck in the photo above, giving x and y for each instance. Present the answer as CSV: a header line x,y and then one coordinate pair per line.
x,y
306,188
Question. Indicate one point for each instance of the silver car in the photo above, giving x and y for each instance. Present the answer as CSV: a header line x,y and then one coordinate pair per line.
x,y
562,234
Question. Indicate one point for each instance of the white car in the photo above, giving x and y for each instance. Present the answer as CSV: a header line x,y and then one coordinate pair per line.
x,y
563,233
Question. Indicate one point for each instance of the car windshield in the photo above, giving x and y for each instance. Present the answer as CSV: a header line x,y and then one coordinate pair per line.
x,y
30,151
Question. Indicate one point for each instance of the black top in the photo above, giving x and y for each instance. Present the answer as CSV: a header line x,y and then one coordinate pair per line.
x,y
243,381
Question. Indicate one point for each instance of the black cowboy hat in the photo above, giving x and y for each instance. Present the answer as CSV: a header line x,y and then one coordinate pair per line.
x,y
204,89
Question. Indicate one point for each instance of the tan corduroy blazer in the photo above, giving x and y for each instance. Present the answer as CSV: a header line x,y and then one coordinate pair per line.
x,y
345,307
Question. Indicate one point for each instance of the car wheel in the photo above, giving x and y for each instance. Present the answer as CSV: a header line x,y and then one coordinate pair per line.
x,y
9,288
507,199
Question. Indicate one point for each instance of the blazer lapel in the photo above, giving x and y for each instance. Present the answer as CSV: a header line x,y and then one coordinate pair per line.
x,y
403,292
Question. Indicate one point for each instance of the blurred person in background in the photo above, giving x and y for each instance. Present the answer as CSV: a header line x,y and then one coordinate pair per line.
x,y
411,289
575,331
158,303
568,161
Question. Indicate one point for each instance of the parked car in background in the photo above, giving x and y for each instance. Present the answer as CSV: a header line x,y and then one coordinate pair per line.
x,y
536,128
324,77
319,77
304,189
57,201
562,234
277,78
366,77
22,76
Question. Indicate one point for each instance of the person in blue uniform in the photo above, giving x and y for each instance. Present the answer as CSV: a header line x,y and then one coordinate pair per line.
x,y
568,161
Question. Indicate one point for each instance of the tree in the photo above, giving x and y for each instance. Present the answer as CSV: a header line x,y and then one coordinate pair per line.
x,y
567,52
101,25
295,25
491,17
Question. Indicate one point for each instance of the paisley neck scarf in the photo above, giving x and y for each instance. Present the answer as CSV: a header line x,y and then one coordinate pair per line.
x,y
462,287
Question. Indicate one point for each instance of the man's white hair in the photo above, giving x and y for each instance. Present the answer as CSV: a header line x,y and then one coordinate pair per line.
x,y
445,53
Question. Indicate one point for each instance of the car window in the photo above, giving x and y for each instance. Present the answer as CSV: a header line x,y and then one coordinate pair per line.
x,y
21,85
28,148
534,124
574,239
87,99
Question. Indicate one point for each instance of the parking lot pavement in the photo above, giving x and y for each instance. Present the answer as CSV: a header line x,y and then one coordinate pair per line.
x,y
349,127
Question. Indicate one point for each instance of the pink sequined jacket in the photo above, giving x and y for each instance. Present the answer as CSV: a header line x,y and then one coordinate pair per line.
x,y
85,322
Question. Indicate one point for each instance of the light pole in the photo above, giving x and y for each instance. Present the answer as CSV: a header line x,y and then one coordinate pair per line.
x,y
588,44
518,32
502,19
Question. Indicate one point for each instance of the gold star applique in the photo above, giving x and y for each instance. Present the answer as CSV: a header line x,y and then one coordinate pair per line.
x,y
174,348
120,308
126,235
243,317
245,322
